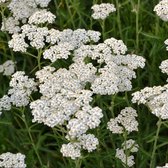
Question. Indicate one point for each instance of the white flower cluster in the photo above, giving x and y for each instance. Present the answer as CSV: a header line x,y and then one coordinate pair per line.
x,y
72,150
20,91
41,16
7,68
60,51
166,166
117,46
124,121
164,66
65,101
118,69
161,9
38,37
10,160
101,11
17,43
127,147
155,98
62,96
10,25
5,103
21,10
86,141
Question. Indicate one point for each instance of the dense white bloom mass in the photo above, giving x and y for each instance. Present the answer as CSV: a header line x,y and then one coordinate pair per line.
x,y
101,11
124,121
88,142
117,46
5,103
23,9
161,9
36,35
63,95
60,51
20,91
164,66
11,25
118,70
41,16
64,40
155,98
7,68
65,101
66,93
72,150
17,43
10,160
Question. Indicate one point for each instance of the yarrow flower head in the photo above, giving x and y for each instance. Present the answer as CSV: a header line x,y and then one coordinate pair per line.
x,y
18,43
41,16
164,66
65,101
60,51
7,68
124,121
73,149
10,25
161,9
10,160
101,11
20,91
23,9
130,146
155,98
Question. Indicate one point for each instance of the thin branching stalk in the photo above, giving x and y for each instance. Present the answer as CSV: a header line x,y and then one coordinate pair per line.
x,y
39,58
125,147
31,138
78,163
102,23
137,25
152,163
119,19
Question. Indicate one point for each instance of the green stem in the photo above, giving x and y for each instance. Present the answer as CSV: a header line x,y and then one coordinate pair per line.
x,y
31,138
118,19
159,123
78,163
102,23
137,25
125,146
39,58
70,13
